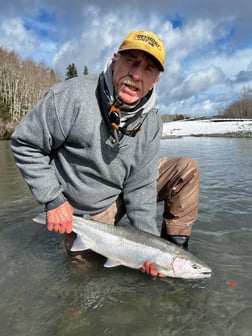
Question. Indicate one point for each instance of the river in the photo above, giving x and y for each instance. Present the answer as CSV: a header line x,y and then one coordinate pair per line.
x,y
43,293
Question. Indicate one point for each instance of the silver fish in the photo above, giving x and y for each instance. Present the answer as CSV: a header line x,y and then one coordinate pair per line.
x,y
132,248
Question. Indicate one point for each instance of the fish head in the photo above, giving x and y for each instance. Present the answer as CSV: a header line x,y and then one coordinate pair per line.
x,y
185,268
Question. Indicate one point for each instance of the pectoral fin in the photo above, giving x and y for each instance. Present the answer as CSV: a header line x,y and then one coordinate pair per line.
x,y
111,263
79,245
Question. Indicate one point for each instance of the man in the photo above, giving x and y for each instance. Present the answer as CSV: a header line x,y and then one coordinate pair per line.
x,y
92,148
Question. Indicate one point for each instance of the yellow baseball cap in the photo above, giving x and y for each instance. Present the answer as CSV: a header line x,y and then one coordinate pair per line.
x,y
145,41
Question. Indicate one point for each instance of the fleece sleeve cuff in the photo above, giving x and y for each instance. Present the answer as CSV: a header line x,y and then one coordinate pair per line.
x,y
55,203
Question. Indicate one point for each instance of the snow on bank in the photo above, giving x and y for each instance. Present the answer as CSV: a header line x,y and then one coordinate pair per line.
x,y
212,127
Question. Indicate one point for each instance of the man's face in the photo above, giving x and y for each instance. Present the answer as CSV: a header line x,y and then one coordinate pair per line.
x,y
134,74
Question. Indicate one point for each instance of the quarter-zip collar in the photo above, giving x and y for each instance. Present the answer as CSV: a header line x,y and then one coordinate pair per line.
x,y
128,115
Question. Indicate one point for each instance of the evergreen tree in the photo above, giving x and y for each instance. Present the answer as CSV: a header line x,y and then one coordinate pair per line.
x,y
85,71
71,71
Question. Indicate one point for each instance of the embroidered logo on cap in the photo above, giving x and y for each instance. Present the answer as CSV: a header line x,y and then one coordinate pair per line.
x,y
148,39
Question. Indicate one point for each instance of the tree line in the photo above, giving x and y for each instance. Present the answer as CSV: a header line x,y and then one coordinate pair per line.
x,y
22,84
242,107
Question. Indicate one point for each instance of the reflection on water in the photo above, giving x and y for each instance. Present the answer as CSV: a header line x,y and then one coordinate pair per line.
x,y
44,293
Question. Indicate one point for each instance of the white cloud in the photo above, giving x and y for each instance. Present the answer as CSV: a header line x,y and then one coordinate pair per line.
x,y
208,51
25,43
231,63
15,37
195,83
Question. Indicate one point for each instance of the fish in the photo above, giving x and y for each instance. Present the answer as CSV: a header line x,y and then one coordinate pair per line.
x,y
131,247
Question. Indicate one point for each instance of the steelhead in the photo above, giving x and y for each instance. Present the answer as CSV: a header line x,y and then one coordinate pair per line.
x,y
132,248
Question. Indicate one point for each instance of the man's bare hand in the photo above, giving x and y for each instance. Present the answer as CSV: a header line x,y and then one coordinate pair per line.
x,y
60,219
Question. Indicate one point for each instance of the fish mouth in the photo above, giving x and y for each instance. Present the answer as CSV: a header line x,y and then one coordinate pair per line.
x,y
204,274
189,276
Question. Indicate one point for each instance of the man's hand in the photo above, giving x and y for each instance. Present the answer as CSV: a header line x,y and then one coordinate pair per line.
x,y
149,268
60,219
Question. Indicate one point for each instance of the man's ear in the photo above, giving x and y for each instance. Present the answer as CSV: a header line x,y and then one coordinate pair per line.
x,y
114,59
158,77
156,80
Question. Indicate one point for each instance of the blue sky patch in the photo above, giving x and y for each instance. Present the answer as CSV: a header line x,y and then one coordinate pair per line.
x,y
176,21
42,24
223,41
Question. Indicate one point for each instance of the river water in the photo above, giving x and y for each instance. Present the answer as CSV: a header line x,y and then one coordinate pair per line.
x,y
43,293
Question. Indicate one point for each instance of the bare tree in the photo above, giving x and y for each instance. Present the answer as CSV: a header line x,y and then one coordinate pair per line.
x,y
241,108
22,83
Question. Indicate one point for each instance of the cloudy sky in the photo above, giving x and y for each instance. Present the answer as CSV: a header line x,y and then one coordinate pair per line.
x,y
209,43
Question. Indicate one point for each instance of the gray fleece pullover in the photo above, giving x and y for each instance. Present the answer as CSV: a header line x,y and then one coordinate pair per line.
x,y
66,149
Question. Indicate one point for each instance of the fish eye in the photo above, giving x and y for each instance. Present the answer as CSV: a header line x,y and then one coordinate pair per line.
x,y
194,266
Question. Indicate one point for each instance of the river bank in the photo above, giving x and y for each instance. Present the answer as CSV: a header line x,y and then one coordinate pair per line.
x,y
241,128
6,129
